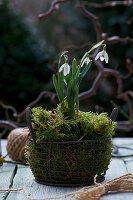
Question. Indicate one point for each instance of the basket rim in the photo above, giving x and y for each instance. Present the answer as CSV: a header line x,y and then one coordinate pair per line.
x,y
68,142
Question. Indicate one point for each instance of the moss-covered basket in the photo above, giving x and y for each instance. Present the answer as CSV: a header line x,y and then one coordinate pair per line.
x,y
69,152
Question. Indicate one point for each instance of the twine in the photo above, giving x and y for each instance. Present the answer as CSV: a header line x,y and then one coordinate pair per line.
x,y
16,143
118,185
11,190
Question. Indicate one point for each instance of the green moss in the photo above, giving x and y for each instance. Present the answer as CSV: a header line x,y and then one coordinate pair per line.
x,y
54,126
70,162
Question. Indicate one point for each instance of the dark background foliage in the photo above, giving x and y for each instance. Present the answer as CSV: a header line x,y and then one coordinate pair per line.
x,y
24,70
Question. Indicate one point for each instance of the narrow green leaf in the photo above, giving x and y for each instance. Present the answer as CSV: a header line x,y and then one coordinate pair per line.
x,y
70,94
61,86
82,74
68,77
77,73
83,58
69,89
74,65
96,45
76,98
63,53
86,69
87,53
56,86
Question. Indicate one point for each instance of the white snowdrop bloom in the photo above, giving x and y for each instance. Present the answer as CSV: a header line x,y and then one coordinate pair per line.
x,y
66,68
103,56
86,61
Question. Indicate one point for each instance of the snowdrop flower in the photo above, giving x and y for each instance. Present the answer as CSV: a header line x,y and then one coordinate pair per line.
x,y
66,68
102,55
86,61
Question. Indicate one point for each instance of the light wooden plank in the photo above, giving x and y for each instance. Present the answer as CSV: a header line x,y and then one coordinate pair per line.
x,y
5,174
119,167
116,169
3,146
24,177
123,141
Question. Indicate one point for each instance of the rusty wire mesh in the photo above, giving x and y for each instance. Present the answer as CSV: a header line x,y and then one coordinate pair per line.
x,y
71,163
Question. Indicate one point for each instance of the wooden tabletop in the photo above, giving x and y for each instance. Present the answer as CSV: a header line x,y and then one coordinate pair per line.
x,y
24,177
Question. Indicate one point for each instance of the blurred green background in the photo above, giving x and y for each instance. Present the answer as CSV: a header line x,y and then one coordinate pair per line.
x,y
29,46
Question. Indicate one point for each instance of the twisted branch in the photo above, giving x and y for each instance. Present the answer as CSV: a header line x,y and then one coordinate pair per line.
x,y
105,72
93,18
12,125
7,124
45,94
127,96
117,39
109,4
54,7
7,108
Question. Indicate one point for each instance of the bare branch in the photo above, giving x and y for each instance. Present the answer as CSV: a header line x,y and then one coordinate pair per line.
x,y
127,96
77,46
94,19
94,87
129,67
109,4
7,108
117,39
105,72
130,21
51,95
124,126
7,124
54,7
19,116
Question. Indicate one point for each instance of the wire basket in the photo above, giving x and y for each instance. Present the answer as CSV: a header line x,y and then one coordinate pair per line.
x,y
71,163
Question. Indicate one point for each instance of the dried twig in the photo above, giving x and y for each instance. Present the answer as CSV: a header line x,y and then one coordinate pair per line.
x,y
109,4
127,96
51,95
93,18
7,108
117,39
77,46
124,126
19,116
54,7
7,124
